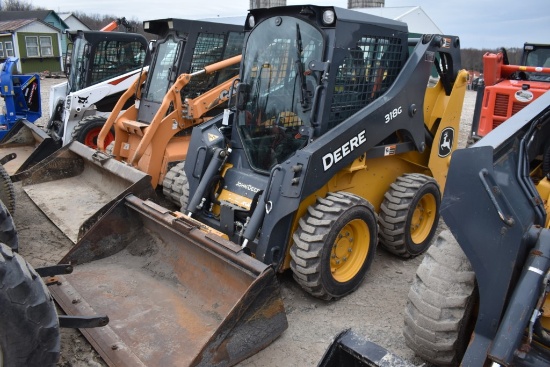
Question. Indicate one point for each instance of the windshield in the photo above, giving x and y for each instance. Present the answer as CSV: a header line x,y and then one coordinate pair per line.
x,y
278,89
115,57
77,70
538,56
160,72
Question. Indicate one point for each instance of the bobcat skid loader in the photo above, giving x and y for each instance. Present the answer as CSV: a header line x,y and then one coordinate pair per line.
x,y
99,66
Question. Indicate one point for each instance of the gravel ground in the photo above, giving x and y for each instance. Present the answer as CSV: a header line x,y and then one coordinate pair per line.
x,y
375,310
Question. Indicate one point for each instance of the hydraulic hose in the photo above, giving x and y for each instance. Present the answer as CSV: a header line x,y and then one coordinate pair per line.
x,y
195,203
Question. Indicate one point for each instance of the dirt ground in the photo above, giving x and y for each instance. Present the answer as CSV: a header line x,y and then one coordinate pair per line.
x,y
374,311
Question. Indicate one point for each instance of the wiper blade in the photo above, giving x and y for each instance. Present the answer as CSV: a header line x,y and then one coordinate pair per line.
x,y
300,69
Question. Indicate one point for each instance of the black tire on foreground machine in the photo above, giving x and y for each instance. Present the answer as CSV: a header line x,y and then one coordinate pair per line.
x,y
29,323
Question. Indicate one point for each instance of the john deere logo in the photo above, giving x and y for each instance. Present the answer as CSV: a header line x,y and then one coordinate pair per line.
x,y
446,142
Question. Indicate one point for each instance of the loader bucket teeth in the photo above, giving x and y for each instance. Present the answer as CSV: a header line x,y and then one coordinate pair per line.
x,y
76,185
175,294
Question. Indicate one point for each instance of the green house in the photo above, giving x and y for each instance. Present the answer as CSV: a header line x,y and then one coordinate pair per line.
x,y
37,44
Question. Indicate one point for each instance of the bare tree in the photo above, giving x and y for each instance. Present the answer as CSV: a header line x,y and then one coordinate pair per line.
x,y
16,5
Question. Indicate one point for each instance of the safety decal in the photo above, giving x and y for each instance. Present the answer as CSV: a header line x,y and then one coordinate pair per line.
x,y
212,137
524,96
446,42
389,150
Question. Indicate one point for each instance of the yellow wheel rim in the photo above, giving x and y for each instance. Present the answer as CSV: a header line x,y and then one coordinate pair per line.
x,y
349,250
423,218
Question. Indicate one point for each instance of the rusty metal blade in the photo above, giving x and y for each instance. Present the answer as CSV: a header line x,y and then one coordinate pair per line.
x,y
175,295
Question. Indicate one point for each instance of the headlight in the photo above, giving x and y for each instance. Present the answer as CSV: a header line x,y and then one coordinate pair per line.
x,y
328,17
251,21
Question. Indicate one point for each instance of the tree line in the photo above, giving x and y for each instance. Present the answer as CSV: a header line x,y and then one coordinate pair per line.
x,y
93,21
472,59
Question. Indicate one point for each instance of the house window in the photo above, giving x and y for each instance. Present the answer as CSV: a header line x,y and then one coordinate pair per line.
x,y
1,50
46,48
36,49
31,44
9,49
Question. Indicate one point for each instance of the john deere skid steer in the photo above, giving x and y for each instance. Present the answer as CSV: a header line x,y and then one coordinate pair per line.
x,y
332,122
334,135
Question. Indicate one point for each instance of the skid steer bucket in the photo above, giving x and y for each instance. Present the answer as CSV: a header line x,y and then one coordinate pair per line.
x,y
76,185
175,294
30,144
351,350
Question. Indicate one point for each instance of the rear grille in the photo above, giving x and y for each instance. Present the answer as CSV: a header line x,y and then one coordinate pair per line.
x,y
516,107
501,108
501,105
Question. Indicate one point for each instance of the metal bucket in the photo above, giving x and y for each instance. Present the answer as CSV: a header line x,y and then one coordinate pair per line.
x,y
30,144
176,294
76,185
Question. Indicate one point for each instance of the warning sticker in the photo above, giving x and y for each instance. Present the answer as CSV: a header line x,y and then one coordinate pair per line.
x,y
389,150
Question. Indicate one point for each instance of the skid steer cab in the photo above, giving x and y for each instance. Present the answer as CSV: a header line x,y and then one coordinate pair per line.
x,y
334,143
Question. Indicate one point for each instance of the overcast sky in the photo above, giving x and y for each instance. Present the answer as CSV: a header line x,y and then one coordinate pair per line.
x,y
479,23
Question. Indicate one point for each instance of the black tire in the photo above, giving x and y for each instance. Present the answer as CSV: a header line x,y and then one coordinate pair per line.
x,y
8,233
409,215
29,326
7,191
87,130
333,228
175,186
441,306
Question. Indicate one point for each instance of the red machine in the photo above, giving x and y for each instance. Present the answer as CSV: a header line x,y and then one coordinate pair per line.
x,y
509,88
